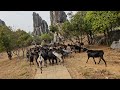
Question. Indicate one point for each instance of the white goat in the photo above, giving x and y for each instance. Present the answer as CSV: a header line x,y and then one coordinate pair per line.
x,y
59,56
69,52
40,61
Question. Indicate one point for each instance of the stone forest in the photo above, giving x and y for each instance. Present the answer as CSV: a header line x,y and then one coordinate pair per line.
x,y
81,45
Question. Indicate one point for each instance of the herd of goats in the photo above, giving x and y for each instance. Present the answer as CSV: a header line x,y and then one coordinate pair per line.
x,y
56,53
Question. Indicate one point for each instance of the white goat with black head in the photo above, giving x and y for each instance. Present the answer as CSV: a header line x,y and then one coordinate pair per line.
x,y
40,61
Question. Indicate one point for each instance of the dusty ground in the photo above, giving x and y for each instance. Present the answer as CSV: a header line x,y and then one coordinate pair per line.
x,y
15,68
79,69
77,66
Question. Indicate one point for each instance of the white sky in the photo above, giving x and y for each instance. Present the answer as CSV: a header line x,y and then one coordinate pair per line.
x,y
23,19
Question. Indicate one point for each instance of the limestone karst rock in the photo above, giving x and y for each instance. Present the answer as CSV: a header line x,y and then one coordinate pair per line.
x,y
2,22
40,26
57,17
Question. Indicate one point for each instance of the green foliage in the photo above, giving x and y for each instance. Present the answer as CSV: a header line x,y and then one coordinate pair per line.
x,y
76,26
10,40
53,28
67,29
47,37
91,22
36,39
102,20
5,38
22,38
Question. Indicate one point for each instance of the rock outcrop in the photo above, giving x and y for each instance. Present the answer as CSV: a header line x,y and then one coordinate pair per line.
x,y
40,26
57,17
2,22
114,35
115,45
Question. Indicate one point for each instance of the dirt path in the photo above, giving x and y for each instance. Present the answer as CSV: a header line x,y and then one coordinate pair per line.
x,y
53,72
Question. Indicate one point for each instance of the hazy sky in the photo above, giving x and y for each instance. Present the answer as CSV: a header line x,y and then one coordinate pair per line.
x,y
23,19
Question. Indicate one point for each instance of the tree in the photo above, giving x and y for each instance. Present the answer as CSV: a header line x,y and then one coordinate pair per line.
x,y
54,28
67,30
24,40
5,40
78,24
103,21
47,37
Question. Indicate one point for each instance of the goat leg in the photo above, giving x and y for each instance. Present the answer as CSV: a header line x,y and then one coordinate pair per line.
x,y
46,63
41,66
41,69
52,62
87,60
37,63
99,61
56,61
104,61
94,60
49,61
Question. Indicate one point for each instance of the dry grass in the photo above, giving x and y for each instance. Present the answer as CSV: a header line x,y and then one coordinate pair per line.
x,y
79,69
15,68
77,66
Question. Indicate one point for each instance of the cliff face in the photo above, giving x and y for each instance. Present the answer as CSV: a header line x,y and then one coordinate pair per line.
x,y
40,26
2,22
57,17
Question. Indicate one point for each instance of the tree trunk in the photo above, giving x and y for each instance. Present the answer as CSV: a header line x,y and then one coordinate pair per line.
x,y
105,37
91,39
16,52
108,37
78,38
81,39
23,50
88,38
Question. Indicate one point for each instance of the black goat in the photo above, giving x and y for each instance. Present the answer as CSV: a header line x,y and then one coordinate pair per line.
x,y
77,48
36,55
31,56
95,54
51,56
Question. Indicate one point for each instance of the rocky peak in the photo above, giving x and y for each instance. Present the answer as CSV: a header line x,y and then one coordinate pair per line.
x,y
2,22
57,17
40,26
